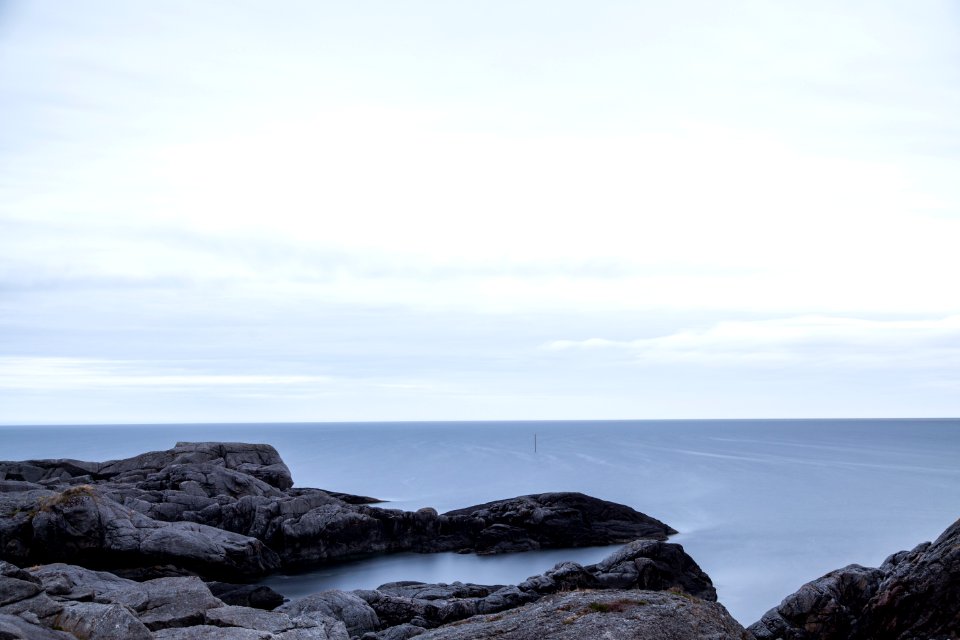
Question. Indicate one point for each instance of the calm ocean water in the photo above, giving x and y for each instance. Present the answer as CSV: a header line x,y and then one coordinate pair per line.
x,y
762,505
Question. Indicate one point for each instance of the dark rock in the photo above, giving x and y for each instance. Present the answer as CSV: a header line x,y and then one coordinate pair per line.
x,y
395,610
558,520
352,499
914,594
399,632
828,607
142,574
14,589
920,593
16,628
358,616
83,525
644,564
22,594
655,566
151,516
258,460
246,595
428,591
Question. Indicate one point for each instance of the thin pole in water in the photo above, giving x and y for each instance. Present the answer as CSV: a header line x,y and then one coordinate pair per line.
x,y
534,443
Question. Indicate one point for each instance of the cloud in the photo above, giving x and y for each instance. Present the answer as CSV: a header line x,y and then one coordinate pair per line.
x,y
55,373
809,340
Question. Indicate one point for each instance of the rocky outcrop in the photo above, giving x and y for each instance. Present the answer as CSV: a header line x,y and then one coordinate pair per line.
x,y
640,615
98,605
66,602
246,595
557,520
229,511
83,524
258,460
641,565
914,594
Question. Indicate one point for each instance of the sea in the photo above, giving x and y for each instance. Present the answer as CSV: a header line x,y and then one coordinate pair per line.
x,y
762,505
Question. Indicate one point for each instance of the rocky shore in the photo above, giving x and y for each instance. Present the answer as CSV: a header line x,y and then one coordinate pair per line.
x,y
165,545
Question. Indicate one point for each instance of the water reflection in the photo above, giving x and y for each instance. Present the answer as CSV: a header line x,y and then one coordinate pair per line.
x,y
431,567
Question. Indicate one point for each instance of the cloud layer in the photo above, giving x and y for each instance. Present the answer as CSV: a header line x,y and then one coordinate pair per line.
x,y
225,211
820,341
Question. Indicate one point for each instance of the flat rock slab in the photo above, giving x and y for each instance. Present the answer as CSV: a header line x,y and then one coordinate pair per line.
x,y
169,602
248,618
209,632
16,628
102,622
77,583
624,615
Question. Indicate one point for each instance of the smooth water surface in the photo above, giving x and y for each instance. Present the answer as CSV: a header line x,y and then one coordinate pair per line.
x,y
763,506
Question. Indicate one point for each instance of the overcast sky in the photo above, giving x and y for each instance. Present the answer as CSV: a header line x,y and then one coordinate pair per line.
x,y
279,211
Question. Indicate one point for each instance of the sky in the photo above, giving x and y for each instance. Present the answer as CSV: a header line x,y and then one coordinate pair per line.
x,y
330,211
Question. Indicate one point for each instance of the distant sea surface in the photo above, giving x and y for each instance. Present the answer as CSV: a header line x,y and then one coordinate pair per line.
x,y
762,505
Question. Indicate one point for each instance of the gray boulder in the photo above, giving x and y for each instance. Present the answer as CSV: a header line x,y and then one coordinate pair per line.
x,y
83,525
654,566
95,621
71,582
16,628
16,584
248,618
169,602
208,632
356,614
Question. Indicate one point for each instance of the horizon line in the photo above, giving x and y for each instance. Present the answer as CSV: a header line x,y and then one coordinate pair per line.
x,y
462,421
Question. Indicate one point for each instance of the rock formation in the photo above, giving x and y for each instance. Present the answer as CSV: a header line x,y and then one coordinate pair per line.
x,y
149,538
914,594
229,511
648,587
